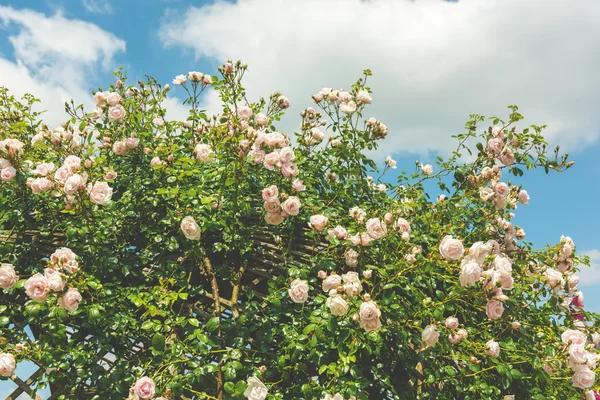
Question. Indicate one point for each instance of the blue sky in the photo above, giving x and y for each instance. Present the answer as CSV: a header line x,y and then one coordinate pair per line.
x,y
434,63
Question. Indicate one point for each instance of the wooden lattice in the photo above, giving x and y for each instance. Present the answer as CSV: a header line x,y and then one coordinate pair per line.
x,y
270,256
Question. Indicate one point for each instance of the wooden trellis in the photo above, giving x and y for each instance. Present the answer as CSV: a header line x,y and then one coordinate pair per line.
x,y
268,259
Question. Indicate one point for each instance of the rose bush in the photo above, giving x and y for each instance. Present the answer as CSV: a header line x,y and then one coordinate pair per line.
x,y
124,234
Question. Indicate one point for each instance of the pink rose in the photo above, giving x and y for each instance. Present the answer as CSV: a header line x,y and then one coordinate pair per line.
x,y
470,272
430,335
298,186
36,287
190,228
493,348
270,193
584,378
318,97
451,322
62,174
113,99
388,218
318,222
289,170
402,225
70,300
451,249
4,163
116,113
494,309
110,175
132,142
291,206
100,193
65,258
96,113
262,119
369,315
479,251
8,276
501,189
158,121
55,281
503,265
410,258
155,161
283,102
12,147
507,157
351,258
571,336
497,132
44,169
554,279
365,239
298,291
100,98
204,153
368,273
272,206
7,365
271,160
273,218
40,185
363,97
74,183
333,281
8,173
375,228
179,80
339,232
286,155
523,197
244,112
144,387
454,338
494,146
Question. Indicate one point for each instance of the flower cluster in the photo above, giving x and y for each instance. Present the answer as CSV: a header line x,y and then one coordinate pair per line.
x,y
276,211
62,263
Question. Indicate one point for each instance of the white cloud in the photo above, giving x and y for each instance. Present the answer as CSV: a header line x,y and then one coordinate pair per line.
x,y
590,275
55,58
434,62
98,6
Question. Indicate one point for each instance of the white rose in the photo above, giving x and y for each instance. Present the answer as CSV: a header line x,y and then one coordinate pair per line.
x,y
190,228
337,305
256,390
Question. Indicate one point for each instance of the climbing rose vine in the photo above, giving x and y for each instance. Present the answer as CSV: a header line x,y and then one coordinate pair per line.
x,y
218,257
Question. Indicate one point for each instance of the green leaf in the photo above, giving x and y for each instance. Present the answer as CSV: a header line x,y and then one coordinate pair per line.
x,y
212,324
229,387
147,325
158,341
